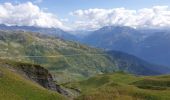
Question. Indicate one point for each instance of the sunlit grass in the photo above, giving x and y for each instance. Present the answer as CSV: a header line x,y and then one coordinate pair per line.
x,y
121,86
15,87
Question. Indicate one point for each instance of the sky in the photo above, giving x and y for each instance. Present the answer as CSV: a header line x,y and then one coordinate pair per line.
x,y
85,14
63,7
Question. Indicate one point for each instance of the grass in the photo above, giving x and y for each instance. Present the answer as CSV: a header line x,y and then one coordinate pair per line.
x,y
72,60
15,87
21,44
121,86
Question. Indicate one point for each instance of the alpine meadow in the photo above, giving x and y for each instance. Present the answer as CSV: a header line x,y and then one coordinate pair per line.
x,y
84,50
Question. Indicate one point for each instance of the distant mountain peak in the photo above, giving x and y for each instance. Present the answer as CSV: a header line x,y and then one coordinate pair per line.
x,y
55,32
133,41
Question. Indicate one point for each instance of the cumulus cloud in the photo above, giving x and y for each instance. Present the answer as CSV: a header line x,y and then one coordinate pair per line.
x,y
157,16
28,14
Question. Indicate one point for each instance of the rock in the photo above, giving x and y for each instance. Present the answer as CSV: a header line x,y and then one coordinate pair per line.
x,y
61,91
41,76
35,73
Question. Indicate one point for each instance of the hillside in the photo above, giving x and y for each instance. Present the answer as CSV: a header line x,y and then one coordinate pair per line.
x,y
132,64
121,86
16,84
149,44
67,61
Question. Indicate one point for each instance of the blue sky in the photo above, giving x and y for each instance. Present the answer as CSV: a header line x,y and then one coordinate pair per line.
x,y
85,14
62,7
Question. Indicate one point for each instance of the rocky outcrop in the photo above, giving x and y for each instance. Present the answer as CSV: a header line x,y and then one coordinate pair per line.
x,y
41,76
35,73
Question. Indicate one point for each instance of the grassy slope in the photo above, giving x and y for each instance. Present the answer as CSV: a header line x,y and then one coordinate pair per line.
x,y
72,61
65,66
122,86
15,87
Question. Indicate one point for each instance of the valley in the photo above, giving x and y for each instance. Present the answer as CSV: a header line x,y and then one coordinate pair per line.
x,y
71,70
151,45
84,50
70,61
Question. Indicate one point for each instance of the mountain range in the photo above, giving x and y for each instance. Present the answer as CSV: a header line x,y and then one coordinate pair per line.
x,y
68,60
35,65
55,32
151,45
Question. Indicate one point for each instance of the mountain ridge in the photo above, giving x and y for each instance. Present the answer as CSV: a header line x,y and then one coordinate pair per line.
x,y
67,60
55,32
148,44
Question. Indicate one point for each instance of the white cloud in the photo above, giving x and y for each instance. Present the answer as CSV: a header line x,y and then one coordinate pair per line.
x,y
157,16
28,14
